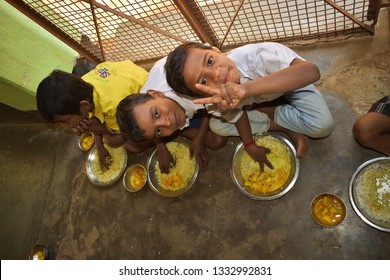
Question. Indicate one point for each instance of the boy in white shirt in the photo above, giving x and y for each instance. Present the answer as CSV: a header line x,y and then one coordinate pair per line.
x,y
158,112
249,75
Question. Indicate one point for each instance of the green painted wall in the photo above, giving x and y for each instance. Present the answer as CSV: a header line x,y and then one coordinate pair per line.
x,y
28,53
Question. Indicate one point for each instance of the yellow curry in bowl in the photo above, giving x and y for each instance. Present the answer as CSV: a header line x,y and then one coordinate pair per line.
x,y
86,141
134,178
328,210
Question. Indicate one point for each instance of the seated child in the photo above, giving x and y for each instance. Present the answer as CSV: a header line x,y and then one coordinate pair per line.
x,y
158,113
253,74
89,103
372,130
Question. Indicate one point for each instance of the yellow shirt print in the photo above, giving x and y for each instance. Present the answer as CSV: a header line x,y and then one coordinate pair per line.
x,y
113,81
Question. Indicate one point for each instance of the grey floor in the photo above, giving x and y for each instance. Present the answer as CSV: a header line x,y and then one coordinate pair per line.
x,y
47,198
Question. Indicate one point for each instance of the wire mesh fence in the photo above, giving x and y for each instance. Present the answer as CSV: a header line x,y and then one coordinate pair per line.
x,y
145,30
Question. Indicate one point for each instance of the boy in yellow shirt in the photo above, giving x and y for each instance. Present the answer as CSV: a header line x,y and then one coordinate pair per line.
x,y
89,103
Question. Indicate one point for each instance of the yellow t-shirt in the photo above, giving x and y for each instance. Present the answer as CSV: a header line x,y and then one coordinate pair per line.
x,y
113,81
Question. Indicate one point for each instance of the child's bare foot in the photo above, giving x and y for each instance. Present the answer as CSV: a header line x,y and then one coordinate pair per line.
x,y
301,142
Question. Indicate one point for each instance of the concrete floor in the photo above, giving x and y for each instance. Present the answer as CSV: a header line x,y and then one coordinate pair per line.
x,y
46,197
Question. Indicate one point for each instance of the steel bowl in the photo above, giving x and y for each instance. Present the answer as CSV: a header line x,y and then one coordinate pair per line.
x,y
238,180
353,196
118,166
153,180
328,209
38,252
128,181
86,141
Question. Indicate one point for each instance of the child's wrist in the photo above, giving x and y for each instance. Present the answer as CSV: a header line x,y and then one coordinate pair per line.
x,y
245,86
249,144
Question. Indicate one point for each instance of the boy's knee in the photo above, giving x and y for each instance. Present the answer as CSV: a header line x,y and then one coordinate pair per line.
x,y
134,149
222,128
323,128
327,126
114,140
362,132
218,142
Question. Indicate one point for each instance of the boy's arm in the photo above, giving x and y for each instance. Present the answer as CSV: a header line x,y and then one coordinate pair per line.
x,y
95,126
258,153
92,125
198,144
300,73
165,158
103,153
99,130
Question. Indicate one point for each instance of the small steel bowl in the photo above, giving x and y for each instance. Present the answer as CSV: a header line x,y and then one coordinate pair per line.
x,y
153,180
328,210
86,141
131,183
358,207
239,181
38,252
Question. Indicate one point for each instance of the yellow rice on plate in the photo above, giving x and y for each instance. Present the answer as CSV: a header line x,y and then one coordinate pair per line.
x,y
180,174
373,191
270,179
115,167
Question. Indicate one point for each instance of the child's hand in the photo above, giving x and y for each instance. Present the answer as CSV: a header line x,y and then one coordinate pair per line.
x,y
199,150
228,95
82,127
259,154
104,158
165,160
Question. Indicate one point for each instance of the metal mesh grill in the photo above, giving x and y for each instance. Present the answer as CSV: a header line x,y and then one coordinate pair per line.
x,y
147,30
281,20
129,39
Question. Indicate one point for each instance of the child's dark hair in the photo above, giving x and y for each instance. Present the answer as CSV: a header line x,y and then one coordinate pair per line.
x,y
175,64
125,115
82,66
61,93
